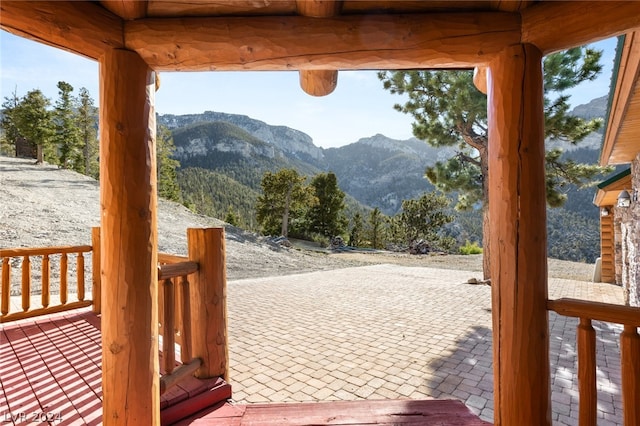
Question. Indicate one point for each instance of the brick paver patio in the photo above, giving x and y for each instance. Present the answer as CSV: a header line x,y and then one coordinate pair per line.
x,y
390,332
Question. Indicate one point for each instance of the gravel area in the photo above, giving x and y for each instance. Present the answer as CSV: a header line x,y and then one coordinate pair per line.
x,y
41,205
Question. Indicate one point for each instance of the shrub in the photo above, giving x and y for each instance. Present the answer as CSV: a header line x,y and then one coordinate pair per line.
x,y
470,248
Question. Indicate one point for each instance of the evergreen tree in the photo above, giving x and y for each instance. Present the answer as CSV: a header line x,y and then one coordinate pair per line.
x,y
423,218
284,197
10,133
355,236
34,122
375,232
67,136
232,218
326,217
86,119
449,111
167,176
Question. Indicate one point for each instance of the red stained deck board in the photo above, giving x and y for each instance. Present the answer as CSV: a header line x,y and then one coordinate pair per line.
x,y
217,391
56,369
396,412
53,364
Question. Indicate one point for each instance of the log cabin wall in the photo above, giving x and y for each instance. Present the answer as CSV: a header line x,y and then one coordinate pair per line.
x,y
629,240
607,246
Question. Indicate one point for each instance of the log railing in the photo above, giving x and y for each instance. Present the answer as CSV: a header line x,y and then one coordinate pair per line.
x,y
45,256
627,316
192,298
174,316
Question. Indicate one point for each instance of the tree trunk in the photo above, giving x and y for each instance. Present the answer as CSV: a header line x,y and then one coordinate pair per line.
x,y
285,215
85,154
39,154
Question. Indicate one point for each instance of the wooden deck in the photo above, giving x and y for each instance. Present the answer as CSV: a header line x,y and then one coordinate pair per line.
x,y
365,412
50,369
50,373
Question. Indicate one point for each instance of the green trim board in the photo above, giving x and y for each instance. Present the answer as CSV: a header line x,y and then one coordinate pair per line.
x,y
614,178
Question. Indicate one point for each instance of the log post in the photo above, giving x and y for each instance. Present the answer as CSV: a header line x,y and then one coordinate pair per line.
x,y
95,269
130,376
587,385
208,302
630,360
318,82
522,394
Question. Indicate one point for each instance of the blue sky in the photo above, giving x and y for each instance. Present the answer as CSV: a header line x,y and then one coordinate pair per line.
x,y
359,107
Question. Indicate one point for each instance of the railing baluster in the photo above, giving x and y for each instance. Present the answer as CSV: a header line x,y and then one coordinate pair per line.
x,y
45,305
586,337
168,334
177,306
80,273
63,278
629,317
95,270
185,348
46,271
630,360
26,283
6,285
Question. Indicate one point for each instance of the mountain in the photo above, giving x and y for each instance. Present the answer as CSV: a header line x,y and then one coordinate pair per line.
x,y
291,142
376,171
381,172
596,108
231,150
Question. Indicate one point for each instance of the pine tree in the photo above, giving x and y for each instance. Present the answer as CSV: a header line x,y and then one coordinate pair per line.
x,y
449,111
67,136
376,226
10,133
232,217
284,197
167,175
355,236
326,217
423,218
34,122
86,119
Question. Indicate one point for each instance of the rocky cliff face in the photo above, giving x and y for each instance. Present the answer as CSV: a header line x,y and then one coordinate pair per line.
x,y
292,142
596,108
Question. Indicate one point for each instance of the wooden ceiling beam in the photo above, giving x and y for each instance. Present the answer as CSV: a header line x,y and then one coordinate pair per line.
x,y
318,82
445,40
480,79
127,9
510,5
318,8
555,26
79,27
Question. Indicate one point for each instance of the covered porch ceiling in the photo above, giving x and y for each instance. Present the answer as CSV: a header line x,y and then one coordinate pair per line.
x,y
200,35
622,144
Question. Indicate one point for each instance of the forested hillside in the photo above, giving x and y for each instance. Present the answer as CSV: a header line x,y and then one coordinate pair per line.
x,y
216,194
